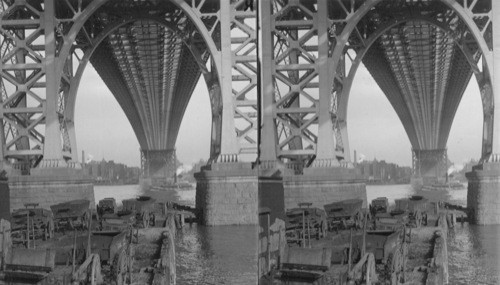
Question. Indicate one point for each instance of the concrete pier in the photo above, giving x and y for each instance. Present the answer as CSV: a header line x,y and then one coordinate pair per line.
x,y
322,186
49,190
483,195
227,194
4,202
271,196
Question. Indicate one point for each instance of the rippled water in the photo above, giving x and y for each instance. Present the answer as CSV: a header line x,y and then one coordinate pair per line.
x,y
226,254
204,255
217,255
473,255
473,251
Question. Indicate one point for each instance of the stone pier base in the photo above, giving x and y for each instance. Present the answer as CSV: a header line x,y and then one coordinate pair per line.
x,y
321,186
49,190
271,196
4,201
483,195
227,194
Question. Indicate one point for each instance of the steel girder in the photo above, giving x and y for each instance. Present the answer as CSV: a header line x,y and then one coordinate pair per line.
x,y
412,60
425,100
151,46
139,48
467,25
239,81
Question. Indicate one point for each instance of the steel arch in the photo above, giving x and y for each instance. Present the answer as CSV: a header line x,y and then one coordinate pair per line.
x,y
75,81
94,7
361,12
344,99
78,24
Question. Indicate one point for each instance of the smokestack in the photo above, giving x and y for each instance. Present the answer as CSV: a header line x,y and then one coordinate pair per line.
x,y
355,157
83,157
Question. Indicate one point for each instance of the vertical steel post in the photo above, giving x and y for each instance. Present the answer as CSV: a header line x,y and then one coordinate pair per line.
x,y
345,141
229,144
326,150
268,138
52,145
495,78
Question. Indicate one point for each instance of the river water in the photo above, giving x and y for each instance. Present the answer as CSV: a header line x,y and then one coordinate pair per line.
x,y
226,254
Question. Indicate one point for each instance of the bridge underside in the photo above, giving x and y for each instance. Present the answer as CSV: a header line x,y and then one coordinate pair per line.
x,y
150,69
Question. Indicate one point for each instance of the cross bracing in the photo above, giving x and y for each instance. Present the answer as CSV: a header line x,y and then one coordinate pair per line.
x,y
421,58
150,53
422,54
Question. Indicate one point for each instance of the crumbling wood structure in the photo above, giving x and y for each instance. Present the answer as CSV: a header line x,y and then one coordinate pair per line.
x,y
5,242
364,270
89,272
438,271
148,257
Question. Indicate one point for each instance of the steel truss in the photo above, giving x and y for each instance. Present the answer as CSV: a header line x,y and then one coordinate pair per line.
x,y
149,53
310,52
408,46
293,76
239,83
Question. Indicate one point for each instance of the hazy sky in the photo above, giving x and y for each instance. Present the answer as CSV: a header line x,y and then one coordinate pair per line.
x,y
103,131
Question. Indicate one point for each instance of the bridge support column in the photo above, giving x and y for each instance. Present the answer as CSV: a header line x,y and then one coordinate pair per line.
x,y
483,195
158,167
483,192
429,167
47,190
227,194
4,203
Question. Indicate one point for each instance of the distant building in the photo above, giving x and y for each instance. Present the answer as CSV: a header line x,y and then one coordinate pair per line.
x,y
109,172
381,172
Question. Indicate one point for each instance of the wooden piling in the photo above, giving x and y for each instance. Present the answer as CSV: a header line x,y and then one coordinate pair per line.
x,y
4,246
89,249
28,229
350,253
303,229
74,254
170,250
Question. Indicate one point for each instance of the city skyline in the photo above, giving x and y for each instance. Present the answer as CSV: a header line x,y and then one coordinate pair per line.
x,y
374,128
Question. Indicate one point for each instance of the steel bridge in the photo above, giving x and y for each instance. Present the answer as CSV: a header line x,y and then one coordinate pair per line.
x,y
278,74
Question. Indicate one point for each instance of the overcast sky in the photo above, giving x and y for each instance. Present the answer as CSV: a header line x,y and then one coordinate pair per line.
x,y
103,131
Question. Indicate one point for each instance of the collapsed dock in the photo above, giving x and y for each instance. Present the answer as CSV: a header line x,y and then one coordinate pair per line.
x,y
402,245
131,245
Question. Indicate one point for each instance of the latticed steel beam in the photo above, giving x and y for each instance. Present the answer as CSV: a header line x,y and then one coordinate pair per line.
x,y
156,52
419,55
310,46
239,81
412,61
295,73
